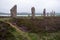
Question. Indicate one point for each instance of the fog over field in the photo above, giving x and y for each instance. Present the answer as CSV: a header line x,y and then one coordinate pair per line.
x,y
25,5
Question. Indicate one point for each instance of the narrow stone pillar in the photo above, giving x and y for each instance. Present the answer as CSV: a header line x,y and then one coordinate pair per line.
x,y
47,14
33,12
44,12
51,14
13,11
54,14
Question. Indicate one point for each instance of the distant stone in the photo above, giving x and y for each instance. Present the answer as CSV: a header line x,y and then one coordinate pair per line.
x,y
47,14
52,13
33,12
13,11
44,12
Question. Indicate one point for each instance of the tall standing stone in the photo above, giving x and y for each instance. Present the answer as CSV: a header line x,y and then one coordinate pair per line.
x,y
13,11
44,12
51,14
47,14
33,12
54,14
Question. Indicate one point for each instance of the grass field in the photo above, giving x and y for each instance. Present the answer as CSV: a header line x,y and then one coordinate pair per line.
x,y
14,33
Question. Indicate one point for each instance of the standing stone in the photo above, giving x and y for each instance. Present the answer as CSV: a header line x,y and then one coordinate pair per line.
x,y
13,11
54,14
44,12
47,14
51,14
33,12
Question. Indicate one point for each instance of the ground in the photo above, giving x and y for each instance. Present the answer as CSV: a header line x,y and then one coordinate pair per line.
x,y
10,29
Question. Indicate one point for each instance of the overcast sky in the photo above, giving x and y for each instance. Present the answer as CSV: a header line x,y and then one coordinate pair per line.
x,y
25,5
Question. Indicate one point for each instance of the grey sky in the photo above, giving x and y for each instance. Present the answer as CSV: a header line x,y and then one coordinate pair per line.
x,y
25,5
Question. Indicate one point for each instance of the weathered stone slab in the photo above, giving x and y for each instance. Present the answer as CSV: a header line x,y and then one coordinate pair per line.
x,y
13,11
33,12
44,12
